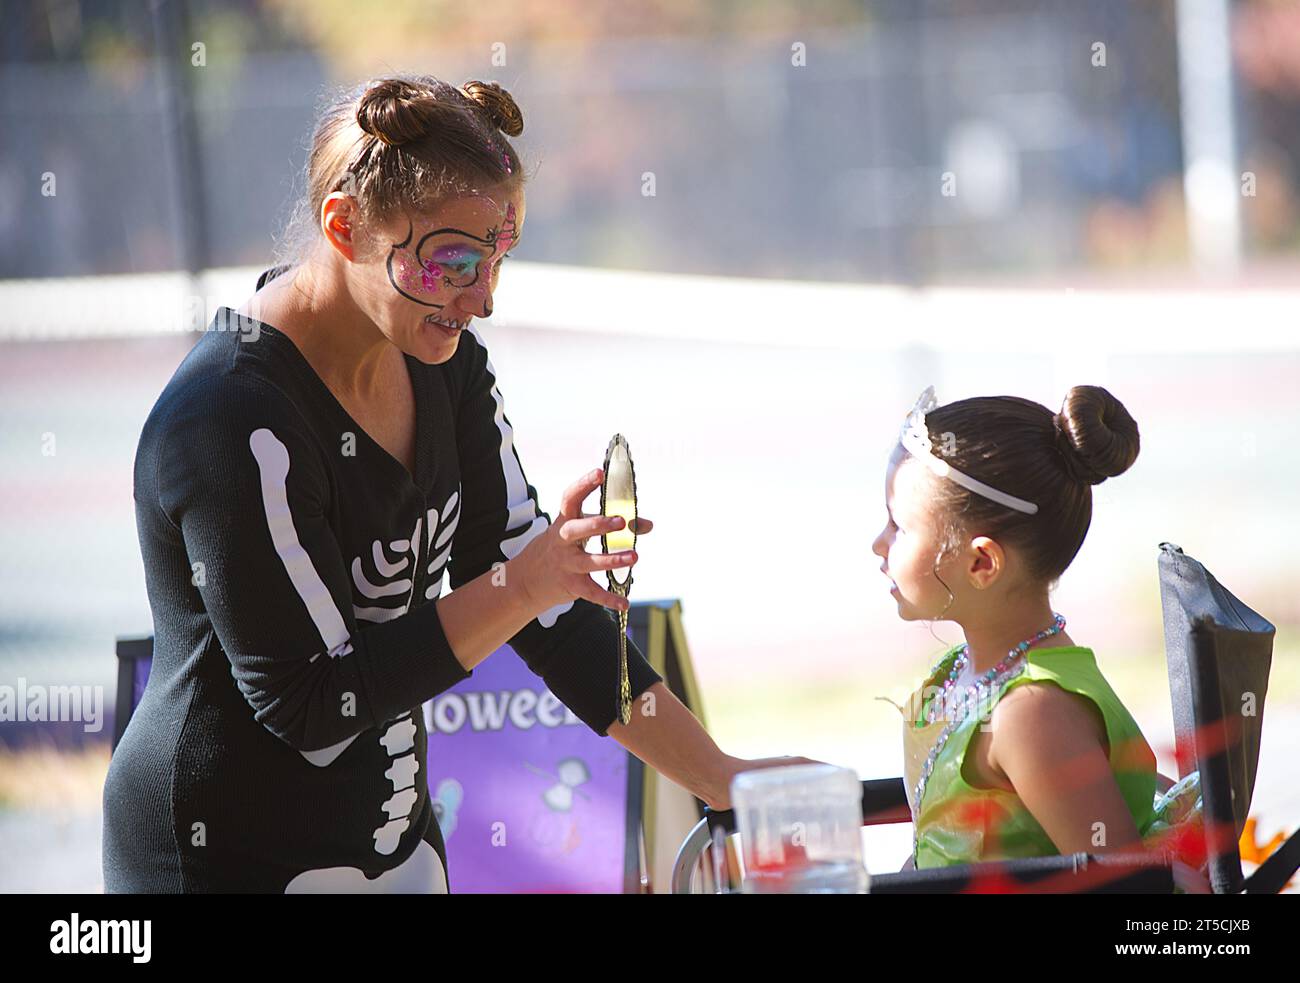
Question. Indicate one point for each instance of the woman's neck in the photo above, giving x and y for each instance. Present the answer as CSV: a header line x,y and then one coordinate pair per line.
x,y
336,337
1002,627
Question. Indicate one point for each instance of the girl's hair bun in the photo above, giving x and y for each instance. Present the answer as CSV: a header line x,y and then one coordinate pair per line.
x,y
394,111
1095,435
498,104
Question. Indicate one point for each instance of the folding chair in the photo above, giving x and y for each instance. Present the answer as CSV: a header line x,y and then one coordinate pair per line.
x,y
1218,653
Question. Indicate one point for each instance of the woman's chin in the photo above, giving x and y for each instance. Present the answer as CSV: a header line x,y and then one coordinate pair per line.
x,y
433,350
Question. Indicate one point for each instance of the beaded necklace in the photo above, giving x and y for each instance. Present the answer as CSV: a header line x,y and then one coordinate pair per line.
x,y
957,705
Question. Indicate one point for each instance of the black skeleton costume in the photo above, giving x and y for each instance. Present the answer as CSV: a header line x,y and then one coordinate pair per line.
x,y
292,566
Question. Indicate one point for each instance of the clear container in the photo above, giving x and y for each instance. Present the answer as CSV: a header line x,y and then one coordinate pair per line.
x,y
800,830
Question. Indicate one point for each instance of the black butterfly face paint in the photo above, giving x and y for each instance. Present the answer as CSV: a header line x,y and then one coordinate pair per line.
x,y
448,260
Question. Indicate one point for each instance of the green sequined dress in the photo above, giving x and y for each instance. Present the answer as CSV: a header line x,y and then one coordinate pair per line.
x,y
957,823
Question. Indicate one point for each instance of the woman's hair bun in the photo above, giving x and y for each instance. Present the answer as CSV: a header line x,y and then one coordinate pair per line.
x,y
498,104
1095,435
394,111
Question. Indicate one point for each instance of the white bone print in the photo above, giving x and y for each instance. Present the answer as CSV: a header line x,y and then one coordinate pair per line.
x,y
423,871
441,532
396,578
273,468
398,742
521,506
392,578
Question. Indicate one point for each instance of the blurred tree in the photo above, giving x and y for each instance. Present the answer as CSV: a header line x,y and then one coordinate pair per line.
x,y
355,37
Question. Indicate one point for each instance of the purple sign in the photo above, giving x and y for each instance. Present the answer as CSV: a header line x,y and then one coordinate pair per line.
x,y
529,799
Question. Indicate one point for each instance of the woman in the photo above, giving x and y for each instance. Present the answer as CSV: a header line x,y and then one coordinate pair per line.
x,y
315,465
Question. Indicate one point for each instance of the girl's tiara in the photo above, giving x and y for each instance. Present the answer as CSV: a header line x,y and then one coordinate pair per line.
x,y
915,437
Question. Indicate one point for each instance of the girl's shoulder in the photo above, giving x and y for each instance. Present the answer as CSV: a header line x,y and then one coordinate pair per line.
x,y
1060,686
1049,671
1072,668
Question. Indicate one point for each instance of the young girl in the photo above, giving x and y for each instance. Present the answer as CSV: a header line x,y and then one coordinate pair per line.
x,y
1015,745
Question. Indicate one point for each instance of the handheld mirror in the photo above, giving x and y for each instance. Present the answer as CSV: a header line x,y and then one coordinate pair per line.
x,y
618,498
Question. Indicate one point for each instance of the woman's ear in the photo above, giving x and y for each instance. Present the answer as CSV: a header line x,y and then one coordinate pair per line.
x,y
986,562
336,222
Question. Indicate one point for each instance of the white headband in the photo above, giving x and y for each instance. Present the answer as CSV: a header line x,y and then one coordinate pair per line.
x,y
915,437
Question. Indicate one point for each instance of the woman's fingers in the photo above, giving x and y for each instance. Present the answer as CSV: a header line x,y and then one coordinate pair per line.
x,y
574,529
577,529
571,507
605,599
611,561
573,497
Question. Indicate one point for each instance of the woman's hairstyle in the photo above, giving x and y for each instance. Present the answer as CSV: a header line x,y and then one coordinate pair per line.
x,y
405,144
1023,448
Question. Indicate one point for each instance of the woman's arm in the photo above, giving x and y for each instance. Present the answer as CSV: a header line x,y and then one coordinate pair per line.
x,y
571,644
570,641
667,736
482,615
233,494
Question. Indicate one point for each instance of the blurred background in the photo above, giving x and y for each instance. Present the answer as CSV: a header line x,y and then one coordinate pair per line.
x,y
778,221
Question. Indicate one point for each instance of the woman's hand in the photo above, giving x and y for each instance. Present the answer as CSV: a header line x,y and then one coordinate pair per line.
x,y
722,796
556,566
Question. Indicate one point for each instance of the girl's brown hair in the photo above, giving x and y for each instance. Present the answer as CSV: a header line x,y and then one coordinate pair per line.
x,y
1023,448
406,144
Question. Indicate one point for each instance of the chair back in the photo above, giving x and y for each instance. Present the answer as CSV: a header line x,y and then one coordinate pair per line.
x,y
1218,653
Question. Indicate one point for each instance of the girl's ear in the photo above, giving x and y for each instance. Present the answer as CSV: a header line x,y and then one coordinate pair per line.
x,y
986,562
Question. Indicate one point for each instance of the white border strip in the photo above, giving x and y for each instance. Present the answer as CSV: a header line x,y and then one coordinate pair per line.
x,y
724,310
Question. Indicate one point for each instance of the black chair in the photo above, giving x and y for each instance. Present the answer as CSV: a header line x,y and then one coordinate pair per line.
x,y
1218,652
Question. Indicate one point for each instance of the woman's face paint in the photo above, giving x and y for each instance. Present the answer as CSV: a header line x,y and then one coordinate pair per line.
x,y
463,252
411,280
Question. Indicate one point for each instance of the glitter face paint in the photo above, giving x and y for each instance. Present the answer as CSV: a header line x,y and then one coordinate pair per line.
x,y
442,259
